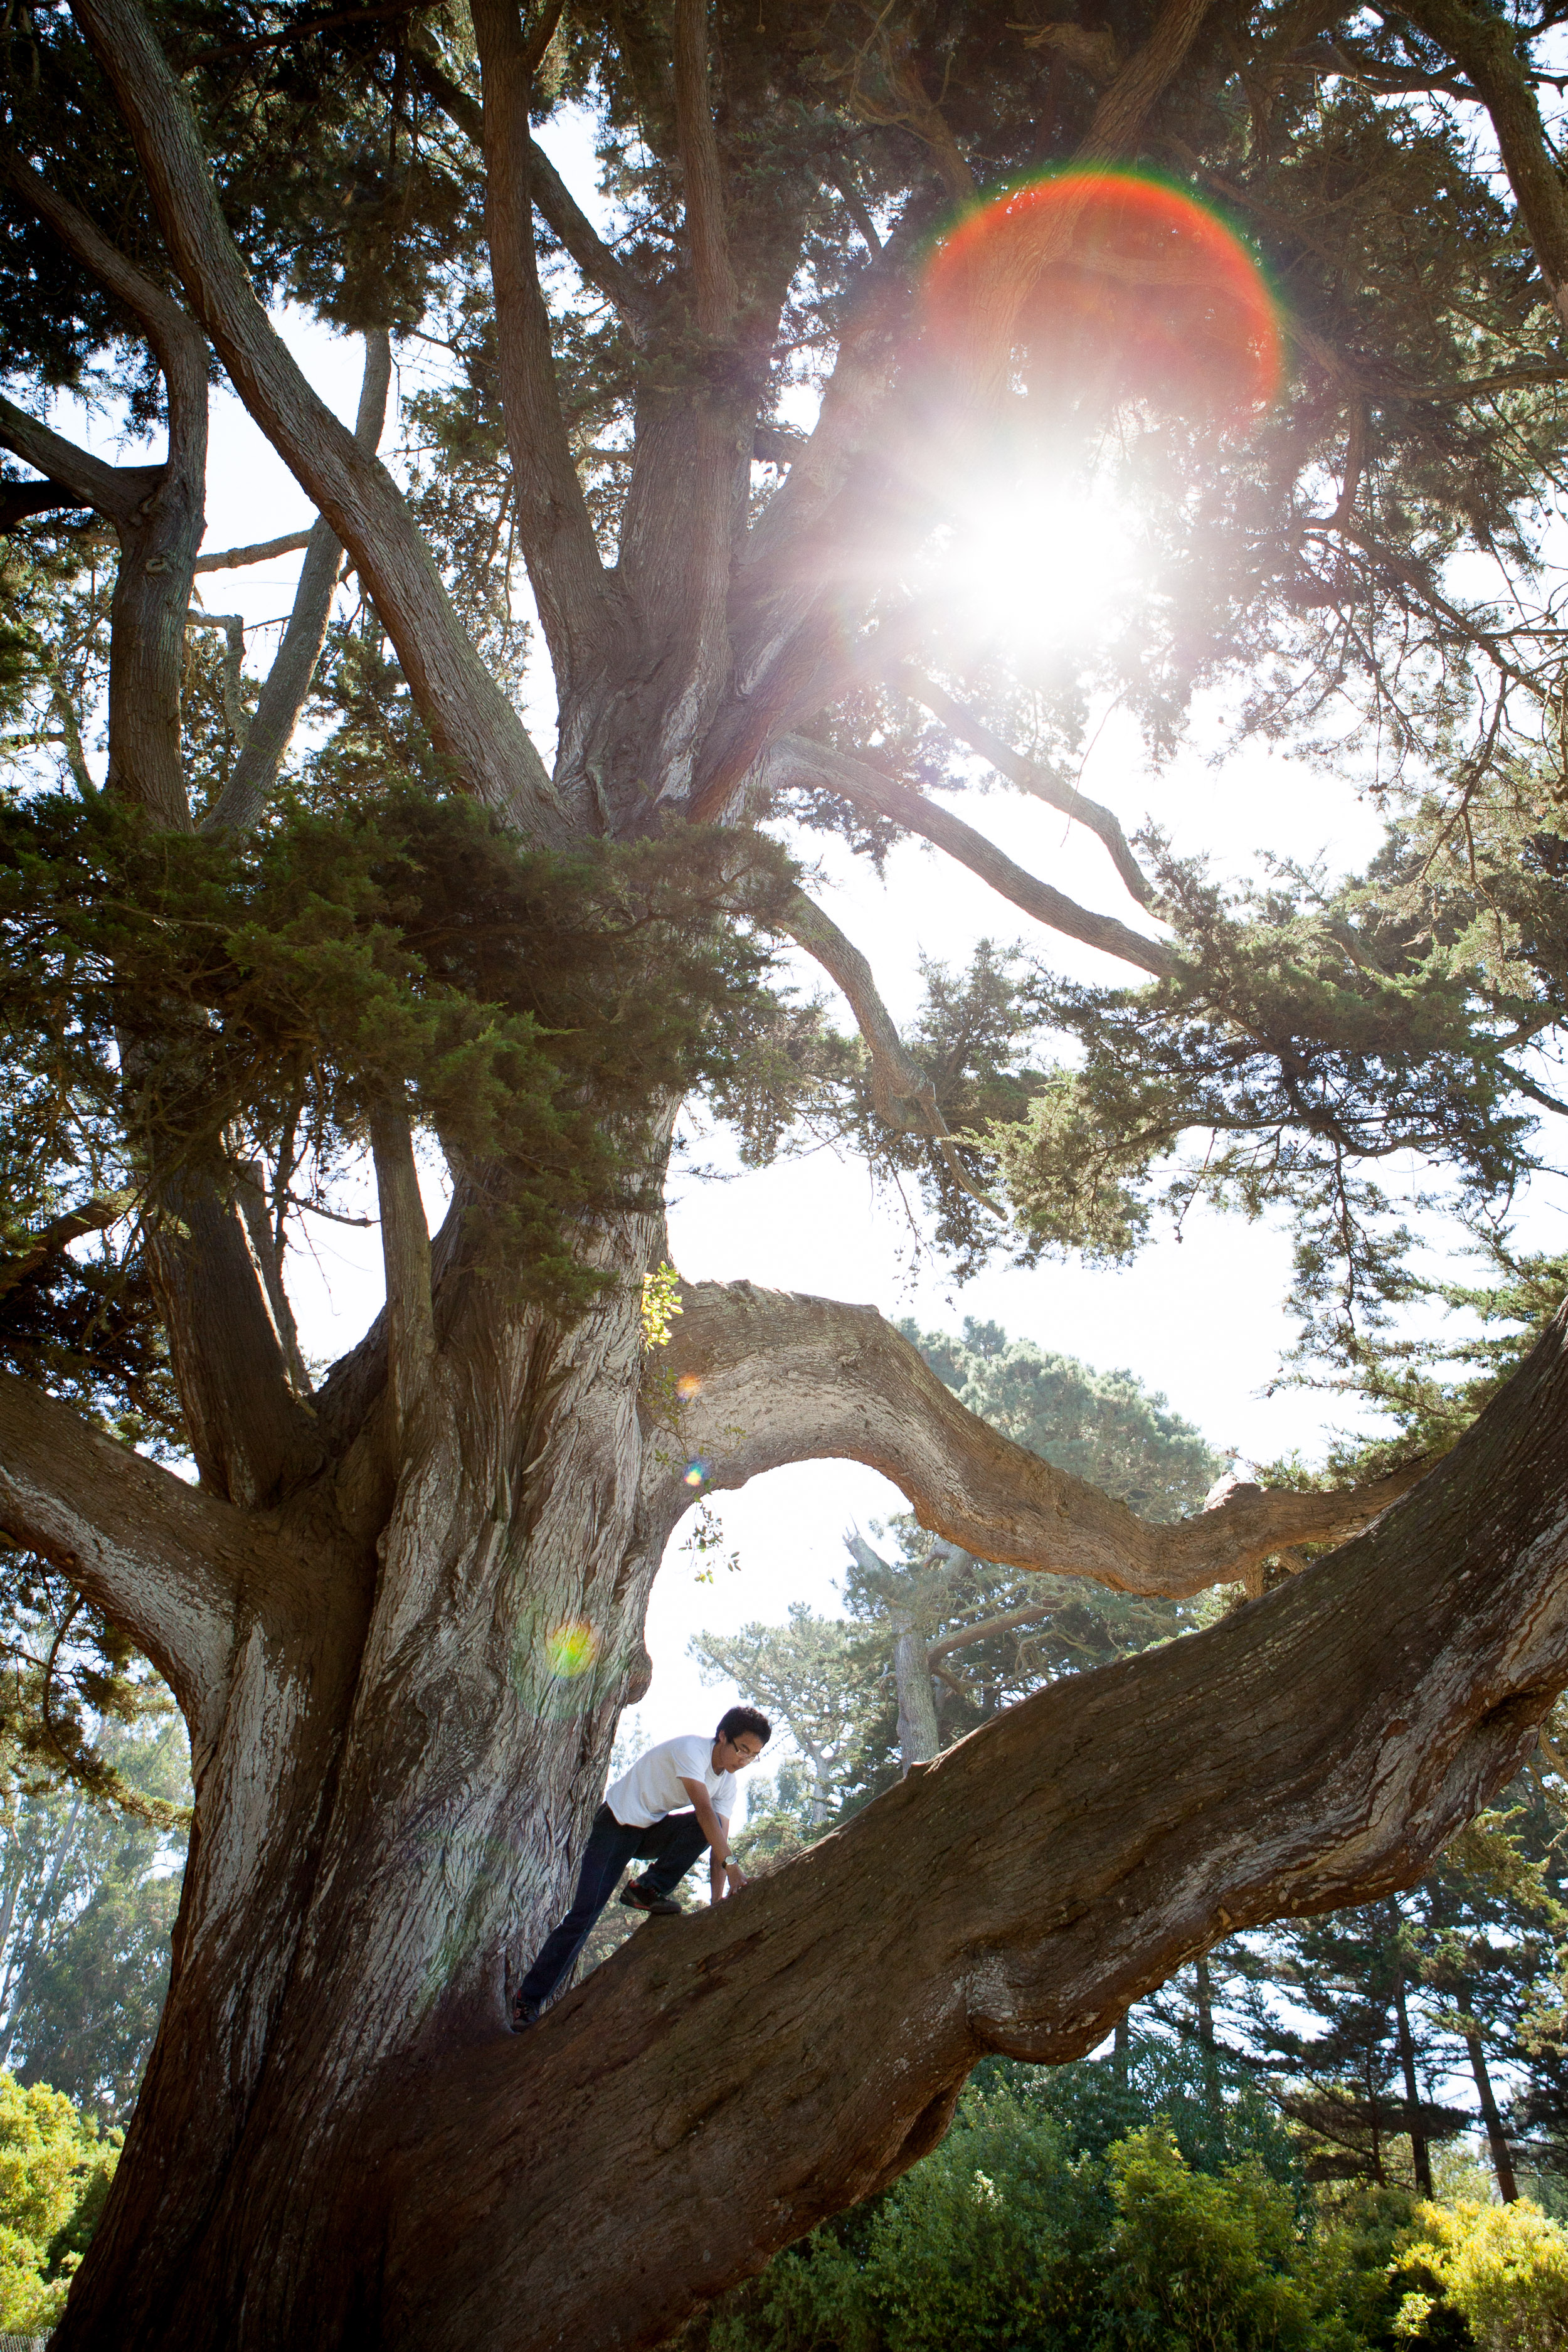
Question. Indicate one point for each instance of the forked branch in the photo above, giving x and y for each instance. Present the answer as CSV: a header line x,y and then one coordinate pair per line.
x,y
576,602
282,698
783,1377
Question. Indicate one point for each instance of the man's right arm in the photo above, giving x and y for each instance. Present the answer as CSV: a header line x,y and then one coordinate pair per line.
x,y
716,1830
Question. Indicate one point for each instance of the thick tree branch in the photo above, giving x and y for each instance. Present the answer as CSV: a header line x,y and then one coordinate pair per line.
x,y
112,490
1316,1749
162,1559
578,606
968,727
557,206
471,722
1122,114
783,1377
706,238
795,760
92,1217
20,500
282,698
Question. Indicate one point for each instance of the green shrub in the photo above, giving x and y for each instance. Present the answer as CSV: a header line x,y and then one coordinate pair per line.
x,y
54,2172
1504,2267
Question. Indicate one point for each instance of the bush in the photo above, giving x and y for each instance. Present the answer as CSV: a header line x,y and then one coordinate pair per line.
x,y
1204,2263
1504,2268
54,2173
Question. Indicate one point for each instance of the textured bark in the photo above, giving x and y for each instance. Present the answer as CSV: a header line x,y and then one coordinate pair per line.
x,y
166,1562
404,1770
782,1377
404,1659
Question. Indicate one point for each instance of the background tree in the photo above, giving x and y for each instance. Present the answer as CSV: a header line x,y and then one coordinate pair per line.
x,y
403,1607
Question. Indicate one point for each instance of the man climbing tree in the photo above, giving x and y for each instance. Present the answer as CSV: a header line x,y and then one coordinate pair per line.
x,y
887,305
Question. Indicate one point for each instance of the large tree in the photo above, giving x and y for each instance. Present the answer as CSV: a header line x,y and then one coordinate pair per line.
x,y
404,1606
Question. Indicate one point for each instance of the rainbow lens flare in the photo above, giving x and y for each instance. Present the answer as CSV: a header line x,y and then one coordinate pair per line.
x,y
699,1472
571,1648
1109,284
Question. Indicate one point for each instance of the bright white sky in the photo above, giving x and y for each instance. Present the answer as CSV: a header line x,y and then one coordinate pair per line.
x,y
1201,1321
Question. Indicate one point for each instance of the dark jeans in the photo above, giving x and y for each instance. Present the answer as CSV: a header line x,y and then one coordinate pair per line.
x,y
672,1845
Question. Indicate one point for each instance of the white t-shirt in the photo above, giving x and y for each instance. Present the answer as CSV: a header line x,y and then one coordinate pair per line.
x,y
652,1787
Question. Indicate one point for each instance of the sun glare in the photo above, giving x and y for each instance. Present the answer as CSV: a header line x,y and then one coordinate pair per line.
x,y
1032,566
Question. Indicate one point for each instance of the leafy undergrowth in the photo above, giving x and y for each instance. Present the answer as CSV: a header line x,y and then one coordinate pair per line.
x,y
1044,2222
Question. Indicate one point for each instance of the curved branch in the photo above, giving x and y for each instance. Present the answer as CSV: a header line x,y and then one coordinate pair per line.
x,y
785,1377
162,1559
470,721
159,535
745,2072
1486,47
969,727
796,760
111,490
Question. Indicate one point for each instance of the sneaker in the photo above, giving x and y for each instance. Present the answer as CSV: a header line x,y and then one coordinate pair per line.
x,y
524,2013
638,1898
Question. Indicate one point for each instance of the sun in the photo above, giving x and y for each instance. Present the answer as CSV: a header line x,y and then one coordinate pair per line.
x,y
1035,563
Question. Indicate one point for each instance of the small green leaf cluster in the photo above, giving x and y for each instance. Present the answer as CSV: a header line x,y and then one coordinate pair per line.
x,y
531,1009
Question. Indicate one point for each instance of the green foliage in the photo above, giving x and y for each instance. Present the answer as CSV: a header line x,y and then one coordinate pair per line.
x,y
399,951
1029,2226
72,1678
1200,2261
1503,2268
54,2170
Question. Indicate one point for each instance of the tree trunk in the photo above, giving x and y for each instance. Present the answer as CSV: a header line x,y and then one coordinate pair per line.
x,y
388,1819
1420,2156
920,1737
1497,2139
1203,2004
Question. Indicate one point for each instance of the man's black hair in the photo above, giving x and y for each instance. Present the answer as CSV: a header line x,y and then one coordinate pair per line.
x,y
744,1719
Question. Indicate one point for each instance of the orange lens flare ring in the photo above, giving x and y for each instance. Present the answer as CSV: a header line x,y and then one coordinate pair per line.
x,y
1111,282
